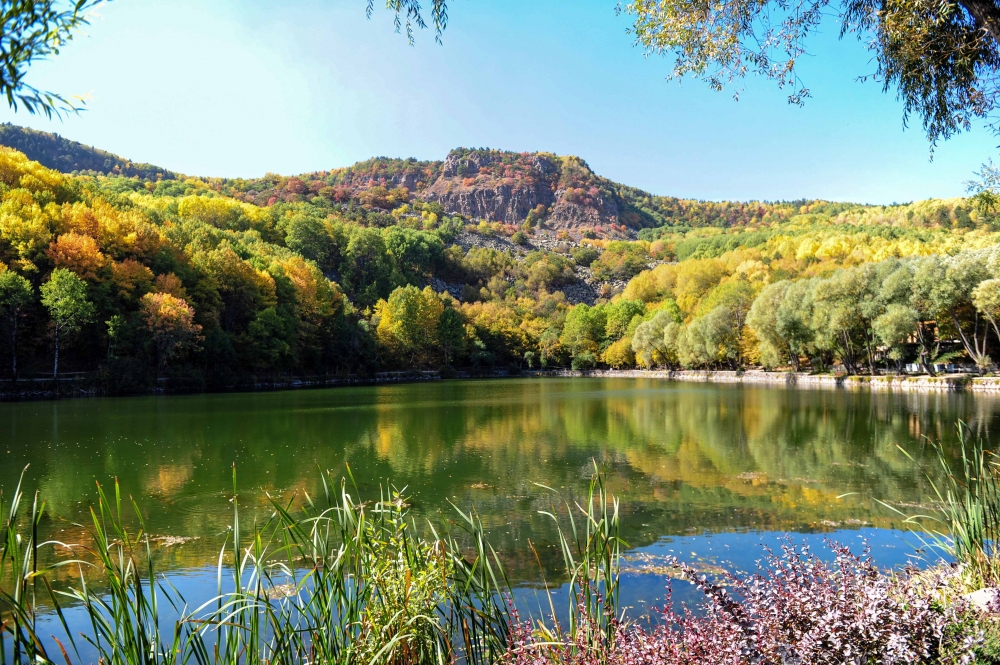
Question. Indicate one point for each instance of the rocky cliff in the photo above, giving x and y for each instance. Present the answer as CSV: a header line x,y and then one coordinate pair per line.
x,y
507,187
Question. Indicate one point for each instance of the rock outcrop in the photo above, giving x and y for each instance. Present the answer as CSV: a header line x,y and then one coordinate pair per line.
x,y
470,186
506,187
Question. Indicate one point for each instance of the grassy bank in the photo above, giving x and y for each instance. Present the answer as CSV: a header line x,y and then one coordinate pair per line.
x,y
335,579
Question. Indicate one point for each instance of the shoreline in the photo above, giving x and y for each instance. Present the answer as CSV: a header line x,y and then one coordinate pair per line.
x,y
883,383
946,383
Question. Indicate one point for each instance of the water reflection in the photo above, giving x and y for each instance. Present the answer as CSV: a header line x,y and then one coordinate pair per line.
x,y
683,457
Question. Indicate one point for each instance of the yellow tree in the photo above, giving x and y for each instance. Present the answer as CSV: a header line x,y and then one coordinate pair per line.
x,y
171,321
408,323
77,253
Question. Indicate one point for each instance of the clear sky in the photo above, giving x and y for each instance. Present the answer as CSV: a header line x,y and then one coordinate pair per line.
x,y
244,87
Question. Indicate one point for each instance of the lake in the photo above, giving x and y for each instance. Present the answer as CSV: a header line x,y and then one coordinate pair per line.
x,y
705,471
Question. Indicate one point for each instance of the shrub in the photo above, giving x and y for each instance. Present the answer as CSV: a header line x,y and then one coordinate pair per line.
x,y
795,609
584,360
584,255
519,238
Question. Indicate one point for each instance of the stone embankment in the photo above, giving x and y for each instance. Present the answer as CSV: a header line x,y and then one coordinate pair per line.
x,y
944,383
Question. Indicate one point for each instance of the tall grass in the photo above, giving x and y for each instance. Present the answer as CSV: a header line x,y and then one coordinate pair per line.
x,y
331,580
591,552
965,520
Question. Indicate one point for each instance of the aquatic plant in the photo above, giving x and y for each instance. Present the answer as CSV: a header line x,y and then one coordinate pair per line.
x,y
337,581
964,522
340,580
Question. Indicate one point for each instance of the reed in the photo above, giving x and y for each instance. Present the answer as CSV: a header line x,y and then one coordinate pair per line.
x,y
332,580
965,520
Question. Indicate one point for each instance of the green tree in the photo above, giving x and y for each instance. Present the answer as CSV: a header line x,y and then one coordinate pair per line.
x,y
763,320
65,297
895,327
948,283
451,334
584,329
16,295
415,253
985,189
986,298
408,323
366,267
269,340
648,341
310,237
619,317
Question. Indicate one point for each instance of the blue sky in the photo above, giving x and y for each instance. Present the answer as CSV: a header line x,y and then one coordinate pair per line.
x,y
244,87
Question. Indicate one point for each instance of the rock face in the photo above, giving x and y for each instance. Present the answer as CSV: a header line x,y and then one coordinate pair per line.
x,y
505,187
470,186
567,215
502,203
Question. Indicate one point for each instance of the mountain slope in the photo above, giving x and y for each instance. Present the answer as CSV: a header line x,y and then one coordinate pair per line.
x,y
61,154
561,193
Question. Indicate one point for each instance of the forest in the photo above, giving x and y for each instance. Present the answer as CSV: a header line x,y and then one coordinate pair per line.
x,y
208,284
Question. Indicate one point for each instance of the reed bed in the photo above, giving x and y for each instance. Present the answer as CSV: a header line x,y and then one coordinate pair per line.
x,y
339,580
333,580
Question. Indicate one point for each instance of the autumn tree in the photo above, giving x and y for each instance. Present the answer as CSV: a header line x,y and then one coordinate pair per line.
x,y
408,323
451,334
64,295
78,253
16,295
171,322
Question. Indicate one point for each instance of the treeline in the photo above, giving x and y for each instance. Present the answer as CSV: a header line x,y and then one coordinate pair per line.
x,y
55,152
867,318
136,281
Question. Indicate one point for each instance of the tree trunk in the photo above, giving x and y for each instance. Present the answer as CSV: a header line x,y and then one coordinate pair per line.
x,y
987,15
972,346
925,352
13,347
55,365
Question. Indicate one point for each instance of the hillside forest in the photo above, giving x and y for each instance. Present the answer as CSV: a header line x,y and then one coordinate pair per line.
x,y
486,261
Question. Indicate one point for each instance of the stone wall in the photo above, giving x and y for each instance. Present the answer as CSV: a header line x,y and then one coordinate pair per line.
x,y
953,382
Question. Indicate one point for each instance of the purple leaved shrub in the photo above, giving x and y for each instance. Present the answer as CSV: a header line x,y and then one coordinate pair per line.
x,y
795,610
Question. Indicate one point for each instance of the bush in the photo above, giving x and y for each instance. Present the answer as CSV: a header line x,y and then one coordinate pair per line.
x,y
796,609
584,255
519,238
584,361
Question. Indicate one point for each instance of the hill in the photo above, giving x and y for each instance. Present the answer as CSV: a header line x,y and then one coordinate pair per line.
x,y
560,193
66,156
484,260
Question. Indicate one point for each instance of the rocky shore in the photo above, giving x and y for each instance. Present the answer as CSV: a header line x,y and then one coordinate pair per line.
x,y
945,383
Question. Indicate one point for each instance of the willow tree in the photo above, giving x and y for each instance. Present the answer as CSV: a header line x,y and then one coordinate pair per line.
x,y
941,58
32,30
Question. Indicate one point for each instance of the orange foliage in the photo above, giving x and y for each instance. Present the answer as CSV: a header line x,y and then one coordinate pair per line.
x,y
131,276
171,283
171,320
78,253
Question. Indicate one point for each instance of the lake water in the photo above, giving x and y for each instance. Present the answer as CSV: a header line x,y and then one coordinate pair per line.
x,y
703,471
